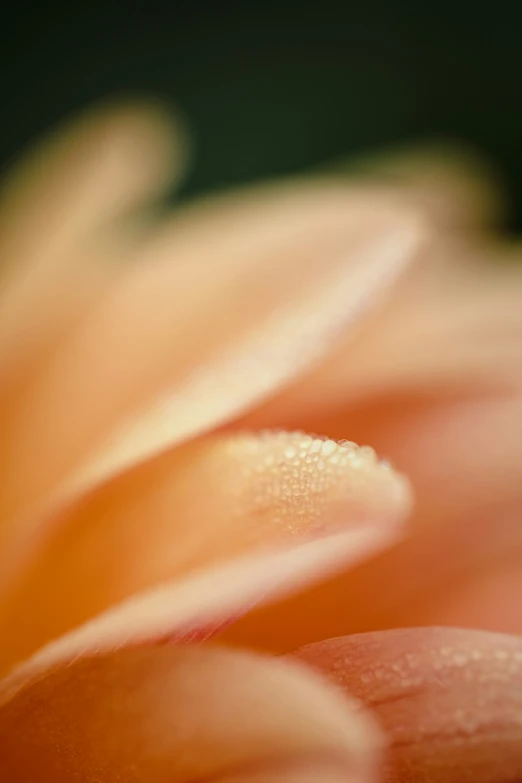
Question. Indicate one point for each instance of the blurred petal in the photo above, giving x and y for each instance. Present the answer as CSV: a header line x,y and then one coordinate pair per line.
x,y
482,596
454,322
203,504
195,608
433,383
457,188
179,347
450,700
462,452
463,456
302,773
162,715
56,217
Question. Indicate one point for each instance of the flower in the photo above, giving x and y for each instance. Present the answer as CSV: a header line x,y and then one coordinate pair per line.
x,y
161,380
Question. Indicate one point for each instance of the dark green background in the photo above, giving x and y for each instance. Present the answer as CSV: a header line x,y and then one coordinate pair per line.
x,y
274,87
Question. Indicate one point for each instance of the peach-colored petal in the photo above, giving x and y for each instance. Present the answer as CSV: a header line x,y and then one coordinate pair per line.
x,y
57,220
458,189
182,344
485,595
165,715
206,503
463,457
196,608
453,322
463,452
450,700
309,772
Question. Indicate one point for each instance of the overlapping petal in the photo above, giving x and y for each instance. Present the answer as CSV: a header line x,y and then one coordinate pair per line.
x,y
160,714
450,700
434,384
196,538
135,515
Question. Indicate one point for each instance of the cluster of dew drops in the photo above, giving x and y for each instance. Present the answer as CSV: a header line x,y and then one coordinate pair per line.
x,y
295,473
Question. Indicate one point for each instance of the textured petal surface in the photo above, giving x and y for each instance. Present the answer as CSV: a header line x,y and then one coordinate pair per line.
x,y
463,456
220,311
206,503
450,700
433,383
146,371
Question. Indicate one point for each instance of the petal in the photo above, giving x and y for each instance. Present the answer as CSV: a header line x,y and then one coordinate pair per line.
x,y
485,598
462,451
163,714
453,319
56,216
458,189
450,700
454,322
463,456
189,511
257,292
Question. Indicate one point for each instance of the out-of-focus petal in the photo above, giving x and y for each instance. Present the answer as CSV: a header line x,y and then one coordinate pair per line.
x,y
205,504
222,309
454,319
462,451
463,456
433,382
450,700
57,221
484,595
454,322
452,325
164,715
450,182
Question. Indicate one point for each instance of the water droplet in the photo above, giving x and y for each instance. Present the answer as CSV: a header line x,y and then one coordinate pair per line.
x,y
328,447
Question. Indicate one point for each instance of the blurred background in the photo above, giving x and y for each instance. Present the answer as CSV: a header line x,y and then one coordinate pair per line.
x,y
269,87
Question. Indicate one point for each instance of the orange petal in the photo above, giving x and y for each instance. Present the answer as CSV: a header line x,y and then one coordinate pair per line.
x,y
458,189
162,714
462,451
57,217
463,456
193,509
449,700
453,322
482,596
259,291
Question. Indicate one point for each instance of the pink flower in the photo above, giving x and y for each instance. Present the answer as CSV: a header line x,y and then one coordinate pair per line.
x,y
161,376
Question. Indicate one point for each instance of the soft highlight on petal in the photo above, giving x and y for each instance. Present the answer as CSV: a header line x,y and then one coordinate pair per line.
x,y
452,323
199,506
454,185
58,216
162,715
317,259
